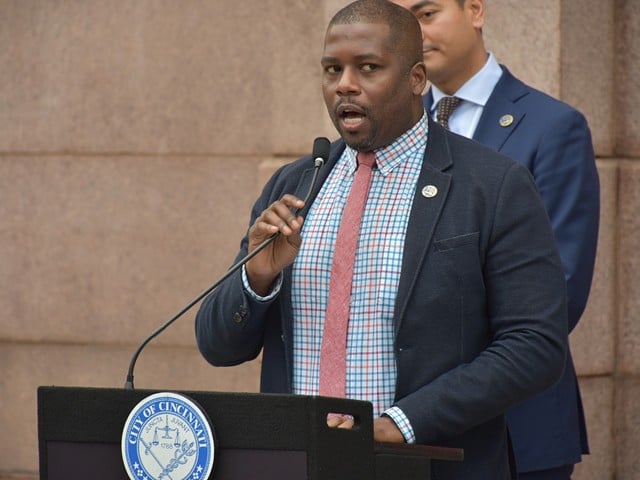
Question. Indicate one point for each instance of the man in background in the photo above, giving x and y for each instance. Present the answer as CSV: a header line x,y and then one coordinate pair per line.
x,y
474,96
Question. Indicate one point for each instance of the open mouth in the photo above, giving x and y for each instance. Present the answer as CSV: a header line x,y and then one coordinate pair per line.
x,y
350,116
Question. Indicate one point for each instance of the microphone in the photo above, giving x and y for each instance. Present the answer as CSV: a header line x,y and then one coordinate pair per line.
x,y
320,154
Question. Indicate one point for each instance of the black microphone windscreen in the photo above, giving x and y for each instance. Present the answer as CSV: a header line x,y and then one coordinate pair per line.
x,y
321,147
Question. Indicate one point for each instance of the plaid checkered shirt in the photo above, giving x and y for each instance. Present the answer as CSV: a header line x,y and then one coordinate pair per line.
x,y
371,369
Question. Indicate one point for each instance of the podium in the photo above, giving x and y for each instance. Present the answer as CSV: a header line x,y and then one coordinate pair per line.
x,y
258,436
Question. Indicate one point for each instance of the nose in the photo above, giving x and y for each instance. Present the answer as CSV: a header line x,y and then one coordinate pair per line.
x,y
348,83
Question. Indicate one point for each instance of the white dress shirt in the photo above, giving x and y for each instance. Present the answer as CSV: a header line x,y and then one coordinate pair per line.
x,y
474,95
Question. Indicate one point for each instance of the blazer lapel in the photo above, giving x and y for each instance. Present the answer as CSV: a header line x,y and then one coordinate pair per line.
x,y
431,193
502,113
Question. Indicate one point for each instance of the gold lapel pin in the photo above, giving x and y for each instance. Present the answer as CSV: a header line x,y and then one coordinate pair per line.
x,y
506,120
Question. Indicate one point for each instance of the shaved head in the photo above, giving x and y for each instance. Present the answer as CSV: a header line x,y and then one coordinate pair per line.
x,y
405,38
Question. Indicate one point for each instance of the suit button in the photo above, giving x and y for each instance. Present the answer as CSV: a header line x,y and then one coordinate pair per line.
x,y
237,317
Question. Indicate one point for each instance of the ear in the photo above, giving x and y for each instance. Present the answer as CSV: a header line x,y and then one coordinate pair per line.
x,y
476,10
418,76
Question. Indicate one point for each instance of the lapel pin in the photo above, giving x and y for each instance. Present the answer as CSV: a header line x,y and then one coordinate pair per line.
x,y
506,120
429,191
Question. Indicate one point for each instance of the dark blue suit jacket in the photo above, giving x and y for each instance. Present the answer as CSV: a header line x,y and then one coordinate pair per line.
x,y
553,141
480,315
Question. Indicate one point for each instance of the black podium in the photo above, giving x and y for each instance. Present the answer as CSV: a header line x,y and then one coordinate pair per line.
x,y
259,436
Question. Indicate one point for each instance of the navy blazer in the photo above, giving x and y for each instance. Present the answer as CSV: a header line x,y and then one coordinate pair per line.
x,y
553,141
480,316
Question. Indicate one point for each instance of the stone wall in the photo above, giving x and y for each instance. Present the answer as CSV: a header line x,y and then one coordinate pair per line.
x,y
134,137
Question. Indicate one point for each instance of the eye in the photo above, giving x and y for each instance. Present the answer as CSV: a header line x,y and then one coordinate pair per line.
x,y
369,67
425,14
332,69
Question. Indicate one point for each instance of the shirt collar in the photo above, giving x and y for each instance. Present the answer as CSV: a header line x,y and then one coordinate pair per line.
x,y
387,158
478,88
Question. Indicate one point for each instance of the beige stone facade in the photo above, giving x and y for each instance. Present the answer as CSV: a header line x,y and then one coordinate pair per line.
x,y
134,137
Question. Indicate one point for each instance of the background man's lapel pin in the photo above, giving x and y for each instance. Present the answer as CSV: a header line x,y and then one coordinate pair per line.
x,y
506,120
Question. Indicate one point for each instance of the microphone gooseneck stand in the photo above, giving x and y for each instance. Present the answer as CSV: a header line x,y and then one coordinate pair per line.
x,y
321,147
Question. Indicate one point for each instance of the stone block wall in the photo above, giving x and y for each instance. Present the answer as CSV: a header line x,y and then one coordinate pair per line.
x,y
134,137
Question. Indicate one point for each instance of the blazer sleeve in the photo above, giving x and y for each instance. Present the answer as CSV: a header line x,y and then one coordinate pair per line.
x,y
525,314
230,322
565,172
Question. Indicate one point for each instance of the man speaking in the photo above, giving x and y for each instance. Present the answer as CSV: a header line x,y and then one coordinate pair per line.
x,y
422,275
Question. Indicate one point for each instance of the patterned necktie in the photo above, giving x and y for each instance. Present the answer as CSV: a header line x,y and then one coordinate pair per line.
x,y
334,338
445,107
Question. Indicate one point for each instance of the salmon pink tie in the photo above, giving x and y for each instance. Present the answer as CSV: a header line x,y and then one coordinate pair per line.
x,y
333,352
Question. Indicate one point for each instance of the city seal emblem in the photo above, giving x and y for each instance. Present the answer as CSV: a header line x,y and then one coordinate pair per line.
x,y
168,437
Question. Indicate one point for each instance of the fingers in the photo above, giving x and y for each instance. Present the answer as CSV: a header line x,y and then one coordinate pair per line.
x,y
339,420
278,217
263,268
